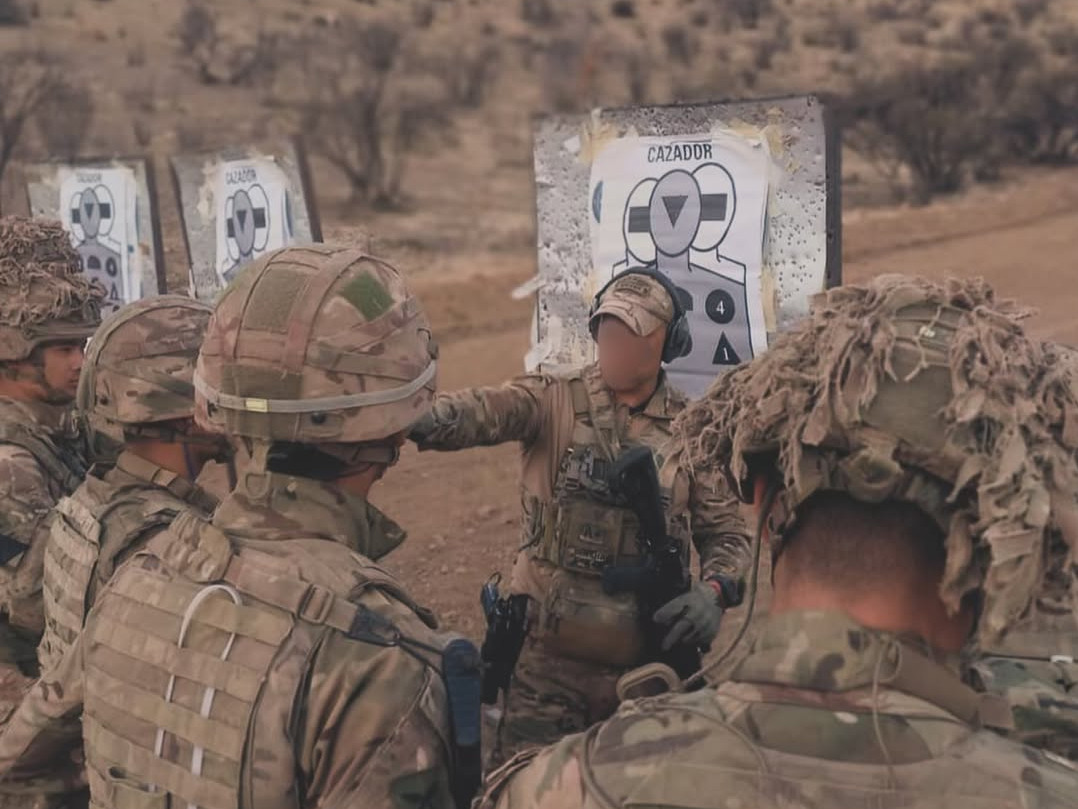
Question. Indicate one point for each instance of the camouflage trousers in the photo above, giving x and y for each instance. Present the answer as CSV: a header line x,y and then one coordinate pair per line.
x,y
551,697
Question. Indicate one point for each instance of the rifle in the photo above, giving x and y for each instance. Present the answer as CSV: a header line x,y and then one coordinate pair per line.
x,y
504,639
662,576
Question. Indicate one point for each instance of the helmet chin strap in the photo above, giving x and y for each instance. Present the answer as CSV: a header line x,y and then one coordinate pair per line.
x,y
188,461
365,455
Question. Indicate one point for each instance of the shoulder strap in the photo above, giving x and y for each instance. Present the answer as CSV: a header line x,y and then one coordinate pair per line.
x,y
81,516
919,676
166,484
149,505
578,391
64,467
600,420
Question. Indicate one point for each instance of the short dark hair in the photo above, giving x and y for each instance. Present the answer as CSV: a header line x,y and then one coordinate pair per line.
x,y
853,546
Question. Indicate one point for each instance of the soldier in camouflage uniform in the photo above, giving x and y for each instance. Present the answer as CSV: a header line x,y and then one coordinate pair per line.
x,y
1036,666
580,640
47,310
136,392
905,446
263,659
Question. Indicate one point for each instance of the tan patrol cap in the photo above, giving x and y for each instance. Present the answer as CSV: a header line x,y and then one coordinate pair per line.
x,y
640,302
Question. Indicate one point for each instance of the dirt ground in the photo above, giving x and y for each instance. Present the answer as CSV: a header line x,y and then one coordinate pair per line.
x,y
461,509
466,236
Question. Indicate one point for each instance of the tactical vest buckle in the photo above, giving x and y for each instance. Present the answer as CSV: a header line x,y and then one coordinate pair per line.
x,y
315,605
649,680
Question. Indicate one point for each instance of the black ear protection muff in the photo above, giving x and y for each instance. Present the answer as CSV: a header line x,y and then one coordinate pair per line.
x,y
678,338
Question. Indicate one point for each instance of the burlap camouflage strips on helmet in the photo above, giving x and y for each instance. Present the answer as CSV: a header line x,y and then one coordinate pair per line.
x,y
316,344
140,364
43,293
928,392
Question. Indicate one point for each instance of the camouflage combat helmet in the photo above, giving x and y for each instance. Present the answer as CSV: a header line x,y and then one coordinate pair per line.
x,y
316,345
139,367
43,294
924,392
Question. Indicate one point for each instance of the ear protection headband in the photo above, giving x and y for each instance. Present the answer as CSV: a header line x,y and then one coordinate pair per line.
x,y
678,341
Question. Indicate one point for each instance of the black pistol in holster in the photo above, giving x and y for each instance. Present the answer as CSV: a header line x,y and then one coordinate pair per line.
x,y
506,625
662,575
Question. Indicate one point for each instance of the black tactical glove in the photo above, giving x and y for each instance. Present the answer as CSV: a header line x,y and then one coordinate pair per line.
x,y
693,617
421,428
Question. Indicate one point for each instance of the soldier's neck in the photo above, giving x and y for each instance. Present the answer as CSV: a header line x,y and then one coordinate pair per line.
x,y
360,483
166,454
638,396
889,608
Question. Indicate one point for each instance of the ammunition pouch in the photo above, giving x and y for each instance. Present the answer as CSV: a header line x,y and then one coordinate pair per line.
x,y
579,621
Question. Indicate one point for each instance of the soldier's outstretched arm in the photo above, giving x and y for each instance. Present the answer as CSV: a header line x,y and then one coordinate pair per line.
x,y
43,733
478,417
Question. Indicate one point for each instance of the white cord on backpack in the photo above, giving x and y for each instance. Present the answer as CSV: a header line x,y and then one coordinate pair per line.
x,y
198,754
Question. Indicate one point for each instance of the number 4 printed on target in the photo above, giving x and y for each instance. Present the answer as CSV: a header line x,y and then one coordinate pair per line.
x,y
694,209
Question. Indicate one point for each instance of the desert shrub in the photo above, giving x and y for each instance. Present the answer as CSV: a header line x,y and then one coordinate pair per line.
x,y
926,118
368,103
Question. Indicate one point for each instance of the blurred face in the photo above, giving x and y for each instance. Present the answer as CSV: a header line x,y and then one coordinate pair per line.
x,y
627,360
50,374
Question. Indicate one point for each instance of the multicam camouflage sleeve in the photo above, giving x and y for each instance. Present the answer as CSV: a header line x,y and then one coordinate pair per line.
x,y
41,743
25,505
718,530
375,729
485,416
704,508
1040,694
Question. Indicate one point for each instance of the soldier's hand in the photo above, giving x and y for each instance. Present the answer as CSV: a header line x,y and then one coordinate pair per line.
x,y
693,617
421,428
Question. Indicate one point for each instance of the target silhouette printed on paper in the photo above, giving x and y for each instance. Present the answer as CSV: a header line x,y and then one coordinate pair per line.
x,y
254,214
246,223
99,204
685,214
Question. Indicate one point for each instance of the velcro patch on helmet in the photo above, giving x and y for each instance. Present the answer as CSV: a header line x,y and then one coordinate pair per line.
x,y
368,295
635,285
272,299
